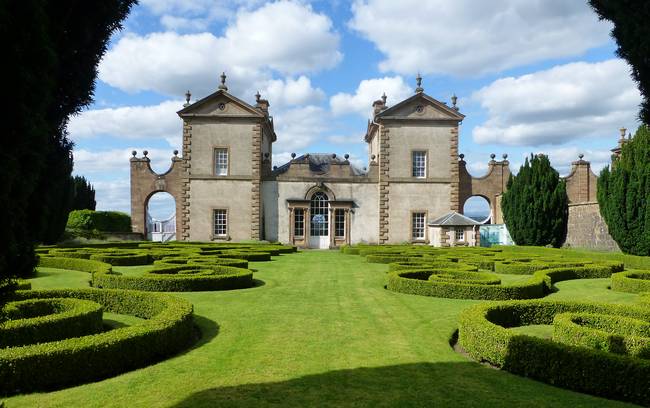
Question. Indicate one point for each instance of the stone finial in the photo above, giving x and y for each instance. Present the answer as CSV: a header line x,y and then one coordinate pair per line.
x,y
223,82
188,95
293,155
418,81
492,156
257,97
275,167
505,156
372,157
454,100
175,153
266,155
134,153
333,155
629,136
580,156
145,153
384,97
462,156
346,156
623,132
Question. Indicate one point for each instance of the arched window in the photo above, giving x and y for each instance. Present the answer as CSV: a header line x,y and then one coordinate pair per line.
x,y
319,215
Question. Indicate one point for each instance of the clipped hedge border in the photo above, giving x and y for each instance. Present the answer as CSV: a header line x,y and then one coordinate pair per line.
x,y
122,259
48,320
247,255
419,264
415,282
83,265
632,281
179,278
168,328
615,334
484,335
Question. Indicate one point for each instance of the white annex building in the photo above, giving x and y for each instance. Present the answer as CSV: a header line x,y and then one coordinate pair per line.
x,y
225,187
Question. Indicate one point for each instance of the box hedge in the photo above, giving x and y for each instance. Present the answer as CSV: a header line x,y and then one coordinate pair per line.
x,y
104,221
632,281
167,329
483,333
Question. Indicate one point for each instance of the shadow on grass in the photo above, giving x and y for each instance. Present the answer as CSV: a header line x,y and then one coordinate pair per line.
x,y
209,329
420,384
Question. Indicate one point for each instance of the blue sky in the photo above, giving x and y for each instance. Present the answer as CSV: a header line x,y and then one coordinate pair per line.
x,y
531,76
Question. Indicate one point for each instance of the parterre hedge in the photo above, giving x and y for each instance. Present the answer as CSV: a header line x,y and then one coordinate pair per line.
x,y
167,329
43,320
483,333
632,281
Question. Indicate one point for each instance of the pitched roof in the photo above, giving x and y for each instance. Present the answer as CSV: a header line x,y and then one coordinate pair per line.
x,y
319,163
453,219
188,110
452,113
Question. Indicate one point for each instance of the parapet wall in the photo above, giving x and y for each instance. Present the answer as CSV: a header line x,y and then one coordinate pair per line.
x,y
587,229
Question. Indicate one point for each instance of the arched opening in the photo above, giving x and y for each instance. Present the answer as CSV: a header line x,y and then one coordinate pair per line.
x,y
161,217
478,209
319,221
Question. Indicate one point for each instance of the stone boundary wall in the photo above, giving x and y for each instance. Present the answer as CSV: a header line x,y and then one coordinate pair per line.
x,y
587,229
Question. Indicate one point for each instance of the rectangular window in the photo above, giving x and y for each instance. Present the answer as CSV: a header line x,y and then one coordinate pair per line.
x,y
299,222
221,162
417,226
339,223
419,164
460,235
220,223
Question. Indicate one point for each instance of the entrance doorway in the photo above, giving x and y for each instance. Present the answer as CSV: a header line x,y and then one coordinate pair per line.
x,y
319,221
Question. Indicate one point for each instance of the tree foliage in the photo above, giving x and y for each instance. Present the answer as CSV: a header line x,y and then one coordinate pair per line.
x,y
632,34
535,205
83,194
624,195
51,50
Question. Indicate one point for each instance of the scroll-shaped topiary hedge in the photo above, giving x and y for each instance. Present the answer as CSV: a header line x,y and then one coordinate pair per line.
x,y
167,329
179,278
483,333
632,281
43,320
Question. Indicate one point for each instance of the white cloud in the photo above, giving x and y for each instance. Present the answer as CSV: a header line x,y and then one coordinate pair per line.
x,y
114,161
113,195
469,37
285,36
563,103
130,122
368,91
561,158
345,139
288,92
298,128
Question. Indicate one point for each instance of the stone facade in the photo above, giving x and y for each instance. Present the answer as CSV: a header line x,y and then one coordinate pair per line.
x,y
414,175
587,229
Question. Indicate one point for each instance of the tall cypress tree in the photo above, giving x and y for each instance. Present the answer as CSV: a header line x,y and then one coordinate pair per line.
x,y
624,195
52,49
632,34
84,195
535,206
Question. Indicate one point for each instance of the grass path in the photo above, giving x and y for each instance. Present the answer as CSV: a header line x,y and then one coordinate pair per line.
x,y
321,331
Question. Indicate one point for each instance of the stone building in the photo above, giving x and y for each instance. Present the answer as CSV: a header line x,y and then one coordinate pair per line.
x,y
225,187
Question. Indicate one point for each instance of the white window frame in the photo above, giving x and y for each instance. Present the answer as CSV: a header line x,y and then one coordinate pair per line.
x,y
459,234
339,222
221,161
299,222
419,164
418,227
220,225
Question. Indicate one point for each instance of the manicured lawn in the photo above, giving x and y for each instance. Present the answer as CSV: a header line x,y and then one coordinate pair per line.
x,y
320,331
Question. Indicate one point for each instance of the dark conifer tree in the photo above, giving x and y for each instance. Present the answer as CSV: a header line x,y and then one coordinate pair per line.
x,y
84,195
632,34
51,50
624,195
535,206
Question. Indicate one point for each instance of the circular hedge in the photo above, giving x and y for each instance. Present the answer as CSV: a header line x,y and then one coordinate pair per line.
x,y
167,329
578,361
43,320
632,281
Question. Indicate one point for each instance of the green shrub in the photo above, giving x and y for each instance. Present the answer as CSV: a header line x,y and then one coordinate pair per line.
x,y
122,259
483,333
631,281
179,278
108,221
615,334
75,264
43,320
167,329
